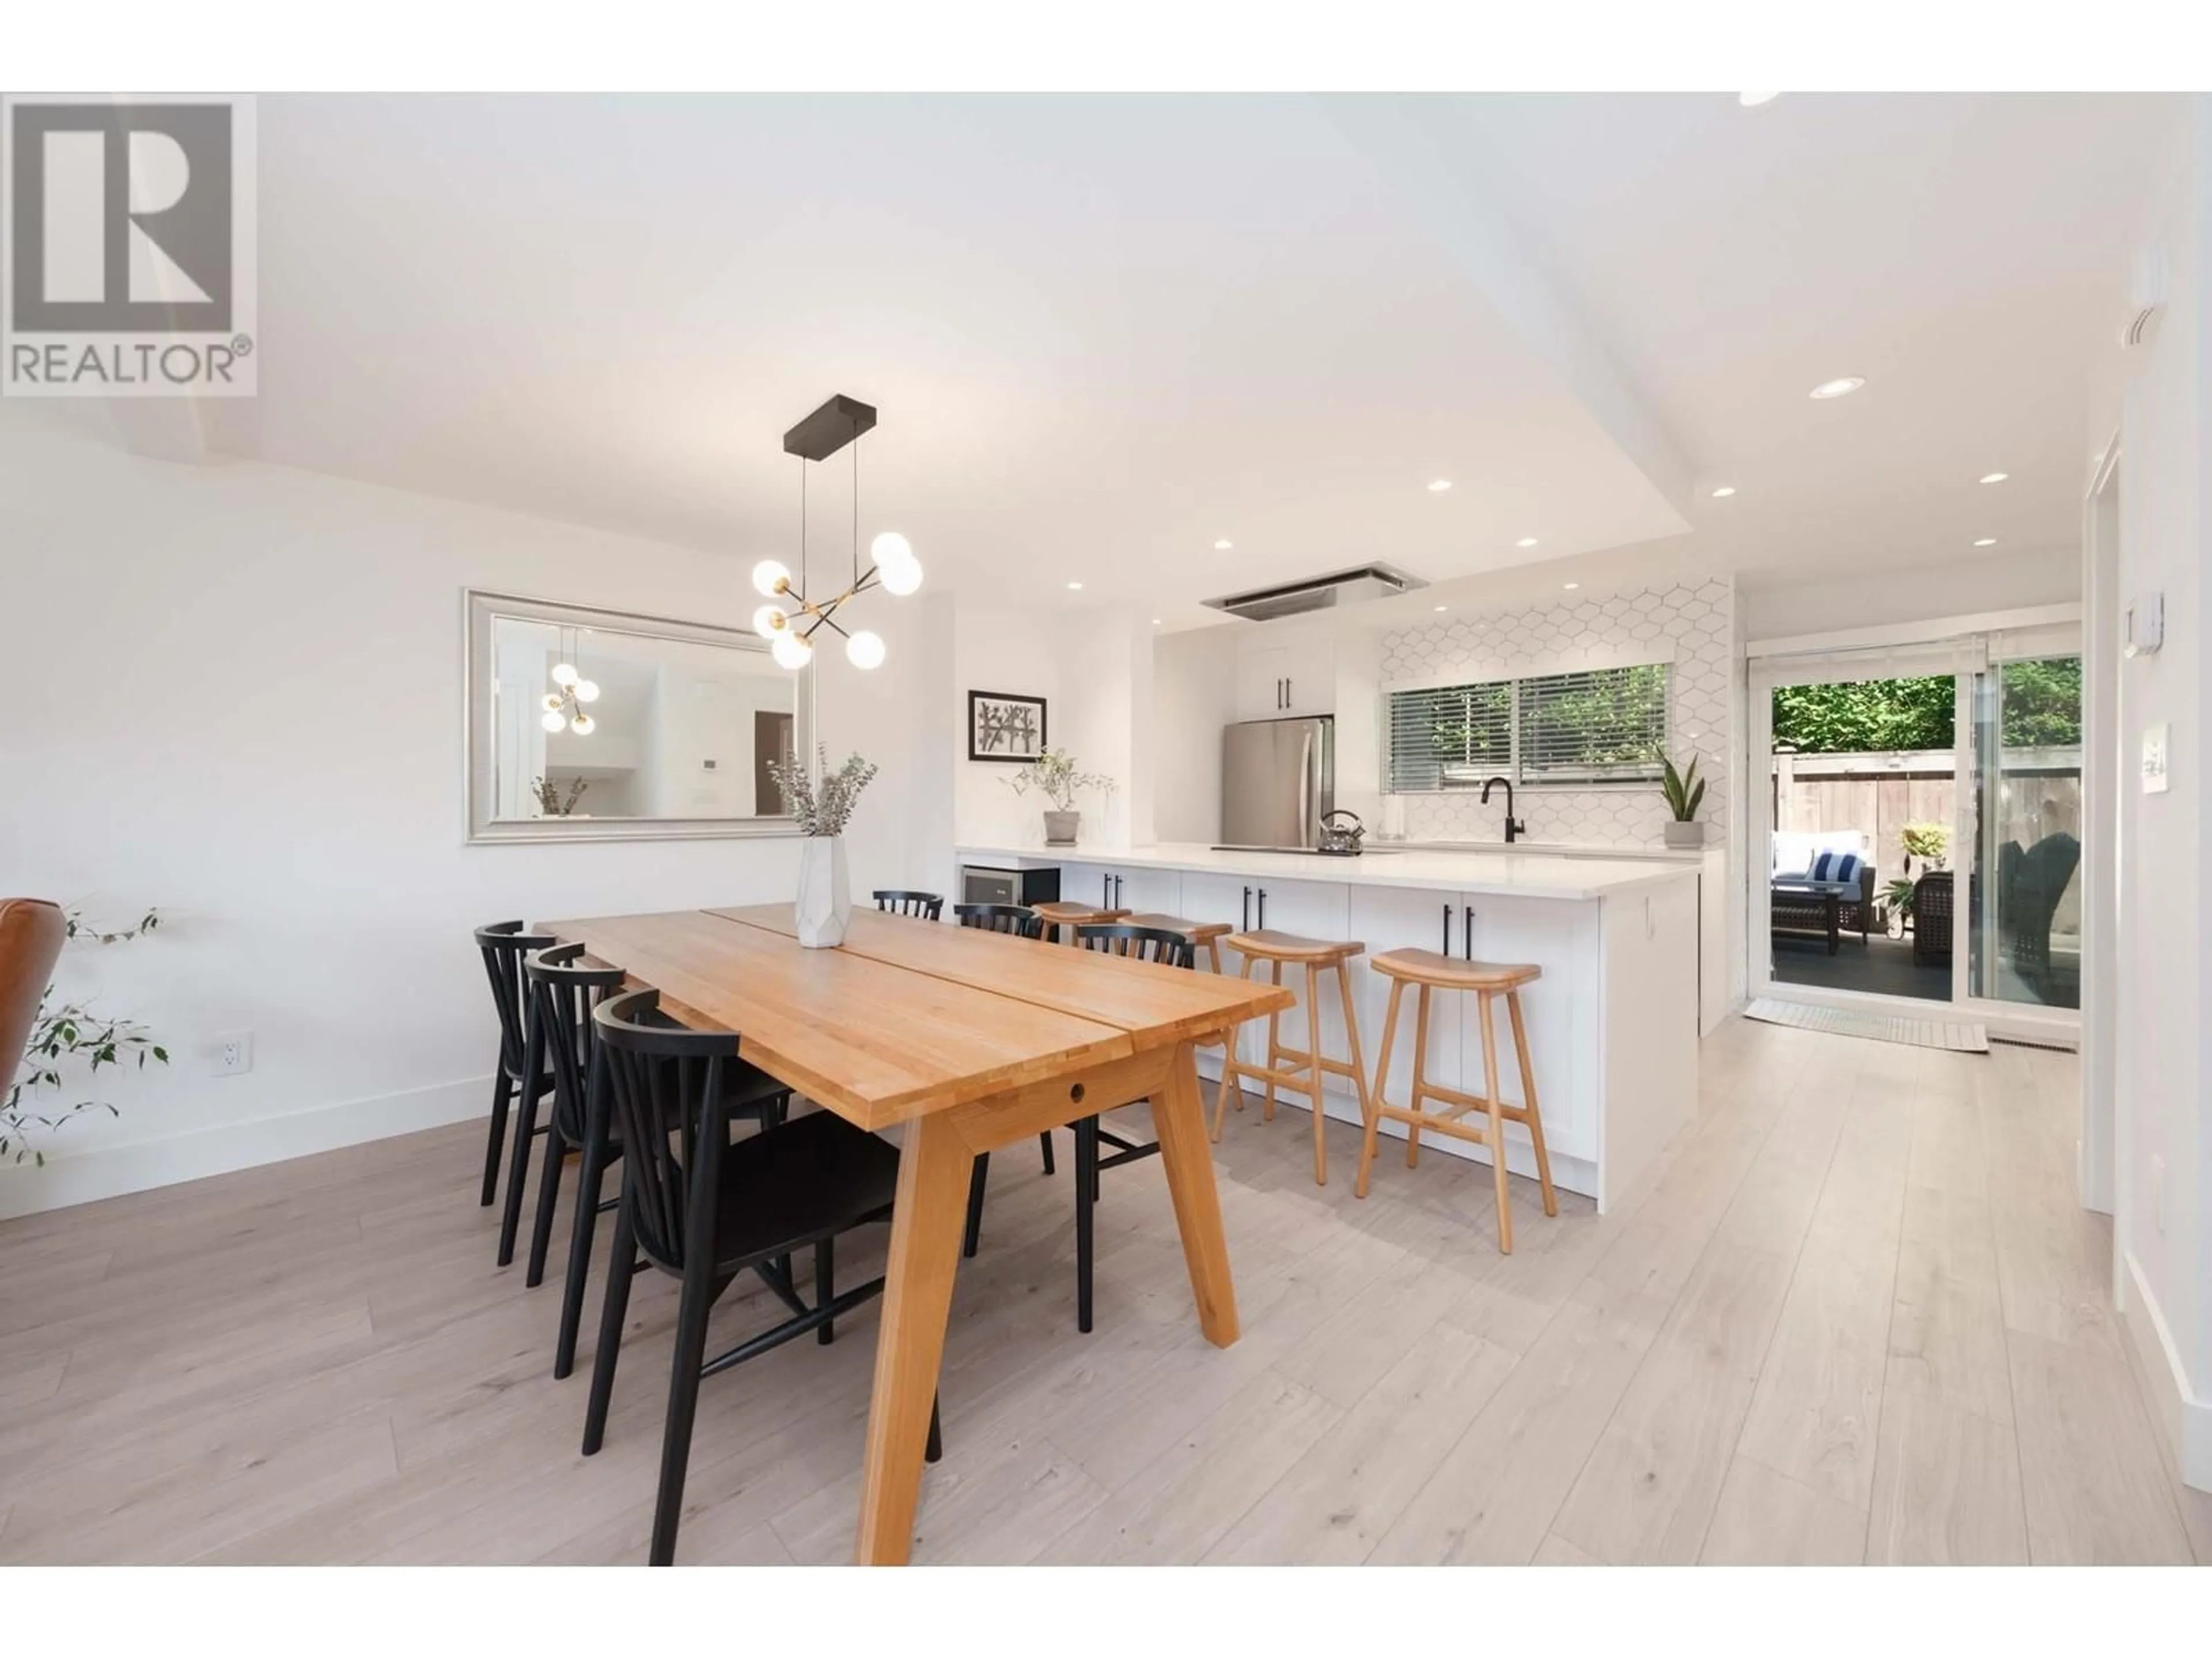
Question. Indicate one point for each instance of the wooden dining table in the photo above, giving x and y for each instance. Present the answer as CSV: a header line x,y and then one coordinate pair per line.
x,y
967,1041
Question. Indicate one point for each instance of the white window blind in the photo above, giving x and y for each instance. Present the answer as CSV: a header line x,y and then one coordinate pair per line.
x,y
1598,725
1449,737
1593,725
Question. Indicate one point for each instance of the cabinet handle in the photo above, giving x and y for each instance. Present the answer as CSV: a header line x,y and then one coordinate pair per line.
x,y
1466,935
1289,695
1117,892
1447,930
1105,893
1263,910
1245,925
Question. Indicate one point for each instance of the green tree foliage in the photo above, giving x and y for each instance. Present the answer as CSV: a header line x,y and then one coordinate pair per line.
x,y
1865,716
2043,704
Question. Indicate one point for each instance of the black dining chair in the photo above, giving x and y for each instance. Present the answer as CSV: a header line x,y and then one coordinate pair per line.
x,y
504,945
1016,919
563,992
703,1208
1170,950
900,902
1022,923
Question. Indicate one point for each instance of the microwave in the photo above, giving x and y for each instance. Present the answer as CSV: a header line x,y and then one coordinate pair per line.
x,y
980,883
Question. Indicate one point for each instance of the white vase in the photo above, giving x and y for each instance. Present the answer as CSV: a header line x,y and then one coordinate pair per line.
x,y
824,905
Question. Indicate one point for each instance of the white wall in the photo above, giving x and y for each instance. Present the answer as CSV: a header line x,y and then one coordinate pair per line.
x,y
1964,588
2161,1039
236,694
1093,666
1194,696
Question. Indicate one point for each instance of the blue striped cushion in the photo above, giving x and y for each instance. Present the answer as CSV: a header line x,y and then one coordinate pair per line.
x,y
1842,868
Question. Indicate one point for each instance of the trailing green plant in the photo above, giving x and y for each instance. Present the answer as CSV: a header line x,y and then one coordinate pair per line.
x,y
1927,842
1054,774
1897,896
827,811
67,1037
1684,790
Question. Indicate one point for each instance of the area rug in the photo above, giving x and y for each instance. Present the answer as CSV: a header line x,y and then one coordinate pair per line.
x,y
1965,1036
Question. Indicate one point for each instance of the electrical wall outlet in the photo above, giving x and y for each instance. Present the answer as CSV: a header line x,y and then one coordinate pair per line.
x,y
234,1054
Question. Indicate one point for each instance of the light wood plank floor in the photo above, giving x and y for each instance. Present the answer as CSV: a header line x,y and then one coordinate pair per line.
x,y
1856,1315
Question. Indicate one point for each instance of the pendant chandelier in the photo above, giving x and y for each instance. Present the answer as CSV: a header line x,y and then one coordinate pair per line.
x,y
564,703
790,620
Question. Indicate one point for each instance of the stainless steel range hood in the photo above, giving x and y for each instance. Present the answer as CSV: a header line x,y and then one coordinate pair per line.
x,y
1369,581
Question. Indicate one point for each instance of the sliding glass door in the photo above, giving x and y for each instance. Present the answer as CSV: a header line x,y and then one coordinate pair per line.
x,y
2026,919
1918,834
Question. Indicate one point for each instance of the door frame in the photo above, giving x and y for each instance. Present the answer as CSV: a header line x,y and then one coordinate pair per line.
x,y
1968,639
2100,1159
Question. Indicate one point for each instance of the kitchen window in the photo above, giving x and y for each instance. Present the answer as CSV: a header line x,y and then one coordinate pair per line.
x,y
1594,726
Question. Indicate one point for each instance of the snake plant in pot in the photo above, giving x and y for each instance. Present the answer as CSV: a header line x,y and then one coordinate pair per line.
x,y
1685,791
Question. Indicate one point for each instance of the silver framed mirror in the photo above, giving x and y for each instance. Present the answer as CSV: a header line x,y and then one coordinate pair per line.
x,y
583,723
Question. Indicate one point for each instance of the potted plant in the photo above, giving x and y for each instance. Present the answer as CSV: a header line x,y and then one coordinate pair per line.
x,y
1685,792
1929,842
1054,774
62,1035
1897,904
824,904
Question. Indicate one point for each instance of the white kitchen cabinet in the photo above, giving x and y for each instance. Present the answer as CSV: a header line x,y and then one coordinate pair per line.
x,y
1401,919
1560,1010
1275,682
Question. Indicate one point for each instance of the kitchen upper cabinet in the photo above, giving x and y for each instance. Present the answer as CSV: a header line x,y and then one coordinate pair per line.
x,y
1278,681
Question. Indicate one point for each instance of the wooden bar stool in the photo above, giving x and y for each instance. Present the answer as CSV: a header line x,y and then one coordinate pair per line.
x,y
1203,935
1308,1065
1489,980
1059,915
1206,936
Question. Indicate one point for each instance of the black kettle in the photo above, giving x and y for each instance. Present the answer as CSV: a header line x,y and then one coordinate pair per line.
x,y
1341,833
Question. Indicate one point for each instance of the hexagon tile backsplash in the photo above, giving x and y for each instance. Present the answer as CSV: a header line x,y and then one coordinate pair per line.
x,y
1699,619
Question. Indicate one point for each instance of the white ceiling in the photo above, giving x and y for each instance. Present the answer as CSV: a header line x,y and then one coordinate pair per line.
x,y
1104,331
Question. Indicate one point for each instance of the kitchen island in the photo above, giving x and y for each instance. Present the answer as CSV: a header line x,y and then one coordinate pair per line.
x,y
1613,1025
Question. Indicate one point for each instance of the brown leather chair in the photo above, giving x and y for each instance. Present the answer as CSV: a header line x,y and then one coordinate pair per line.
x,y
31,934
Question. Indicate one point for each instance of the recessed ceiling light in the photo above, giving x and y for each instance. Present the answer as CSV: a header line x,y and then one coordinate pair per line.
x,y
1526,541
1841,387
1723,492
1570,587
1437,486
1075,587
1753,99
1223,546
1156,621
1987,541
1994,478
1444,607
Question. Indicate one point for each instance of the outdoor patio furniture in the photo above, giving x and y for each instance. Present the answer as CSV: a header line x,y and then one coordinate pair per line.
x,y
1795,853
1801,907
1932,909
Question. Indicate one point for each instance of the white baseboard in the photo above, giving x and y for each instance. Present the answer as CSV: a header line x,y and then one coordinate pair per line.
x,y
100,1172
2184,1418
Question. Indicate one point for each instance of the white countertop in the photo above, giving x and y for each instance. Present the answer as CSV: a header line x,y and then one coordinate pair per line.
x,y
1527,875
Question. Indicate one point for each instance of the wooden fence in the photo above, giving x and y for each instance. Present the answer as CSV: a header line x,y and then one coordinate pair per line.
x,y
1880,794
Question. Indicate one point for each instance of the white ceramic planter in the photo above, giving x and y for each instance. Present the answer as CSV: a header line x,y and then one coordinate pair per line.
x,y
824,905
1679,833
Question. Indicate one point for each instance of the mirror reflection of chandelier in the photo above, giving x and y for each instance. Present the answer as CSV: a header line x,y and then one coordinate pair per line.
x,y
790,620
564,703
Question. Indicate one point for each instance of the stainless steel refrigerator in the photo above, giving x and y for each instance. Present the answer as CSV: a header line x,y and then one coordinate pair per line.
x,y
1278,782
